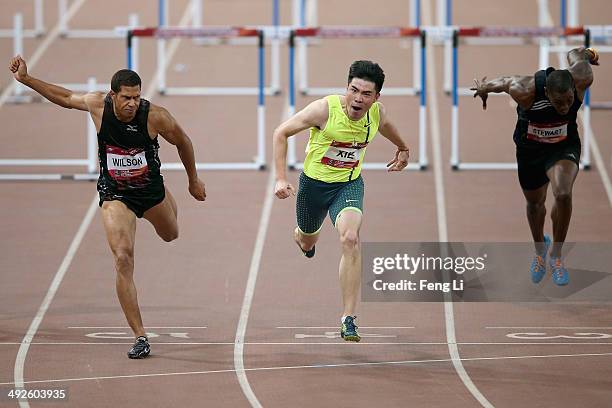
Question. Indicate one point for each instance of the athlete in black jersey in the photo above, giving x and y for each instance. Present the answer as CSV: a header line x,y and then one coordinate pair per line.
x,y
547,147
130,184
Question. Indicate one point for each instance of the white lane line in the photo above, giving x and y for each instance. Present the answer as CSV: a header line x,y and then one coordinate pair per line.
x,y
264,221
335,343
599,163
441,215
550,327
266,212
127,327
335,327
279,368
31,61
55,283
205,327
59,276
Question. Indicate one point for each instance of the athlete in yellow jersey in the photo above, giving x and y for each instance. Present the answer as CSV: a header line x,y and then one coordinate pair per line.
x,y
341,127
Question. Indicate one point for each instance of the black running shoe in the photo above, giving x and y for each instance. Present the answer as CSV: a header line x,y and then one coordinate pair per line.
x,y
140,349
308,254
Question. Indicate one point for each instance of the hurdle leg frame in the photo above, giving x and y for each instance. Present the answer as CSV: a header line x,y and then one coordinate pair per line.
x,y
39,26
415,21
163,89
303,43
90,162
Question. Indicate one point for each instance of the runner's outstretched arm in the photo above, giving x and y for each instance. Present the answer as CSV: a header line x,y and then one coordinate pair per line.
x,y
56,94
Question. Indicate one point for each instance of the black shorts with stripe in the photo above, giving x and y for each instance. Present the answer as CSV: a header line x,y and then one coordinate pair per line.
x,y
535,160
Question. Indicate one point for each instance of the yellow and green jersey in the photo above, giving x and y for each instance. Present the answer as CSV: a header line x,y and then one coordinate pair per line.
x,y
335,153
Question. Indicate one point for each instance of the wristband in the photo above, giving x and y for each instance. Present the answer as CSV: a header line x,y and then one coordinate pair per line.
x,y
595,55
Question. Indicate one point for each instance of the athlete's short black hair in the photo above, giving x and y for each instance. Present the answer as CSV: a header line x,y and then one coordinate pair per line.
x,y
369,71
559,81
125,77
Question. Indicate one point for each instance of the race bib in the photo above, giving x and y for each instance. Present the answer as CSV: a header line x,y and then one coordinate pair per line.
x,y
343,155
547,132
126,164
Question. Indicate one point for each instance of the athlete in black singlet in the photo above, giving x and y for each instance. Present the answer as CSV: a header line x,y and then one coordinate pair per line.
x,y
129,162
547,147
130,183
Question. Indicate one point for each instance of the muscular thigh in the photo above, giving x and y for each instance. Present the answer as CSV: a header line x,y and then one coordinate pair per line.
x,y
348,198
311,204
562,176
531,169
163,215
119,224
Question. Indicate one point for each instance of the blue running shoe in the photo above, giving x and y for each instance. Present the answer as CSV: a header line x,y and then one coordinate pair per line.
x,y
538,265
560,275
348,331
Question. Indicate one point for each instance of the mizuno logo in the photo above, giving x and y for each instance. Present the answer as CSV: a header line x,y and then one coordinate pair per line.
x,y
132,128
367,124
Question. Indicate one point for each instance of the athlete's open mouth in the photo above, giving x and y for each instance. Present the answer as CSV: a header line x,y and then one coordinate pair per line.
x,y
356,108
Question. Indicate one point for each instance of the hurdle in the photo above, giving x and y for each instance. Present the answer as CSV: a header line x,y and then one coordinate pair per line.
x,y
36,31
354,33
274,33
90,162
220,32
303,43
445,19
493,32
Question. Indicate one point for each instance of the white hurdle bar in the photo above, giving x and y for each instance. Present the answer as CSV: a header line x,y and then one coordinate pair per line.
x,y
533,32
224,33
39,26
303,42
273,33
90,162
362,32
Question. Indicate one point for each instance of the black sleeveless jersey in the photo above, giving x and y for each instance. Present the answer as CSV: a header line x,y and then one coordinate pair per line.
x,y
541,124
129,160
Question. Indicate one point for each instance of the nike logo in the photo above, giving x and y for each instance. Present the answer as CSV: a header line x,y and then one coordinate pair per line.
x,y
348,201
